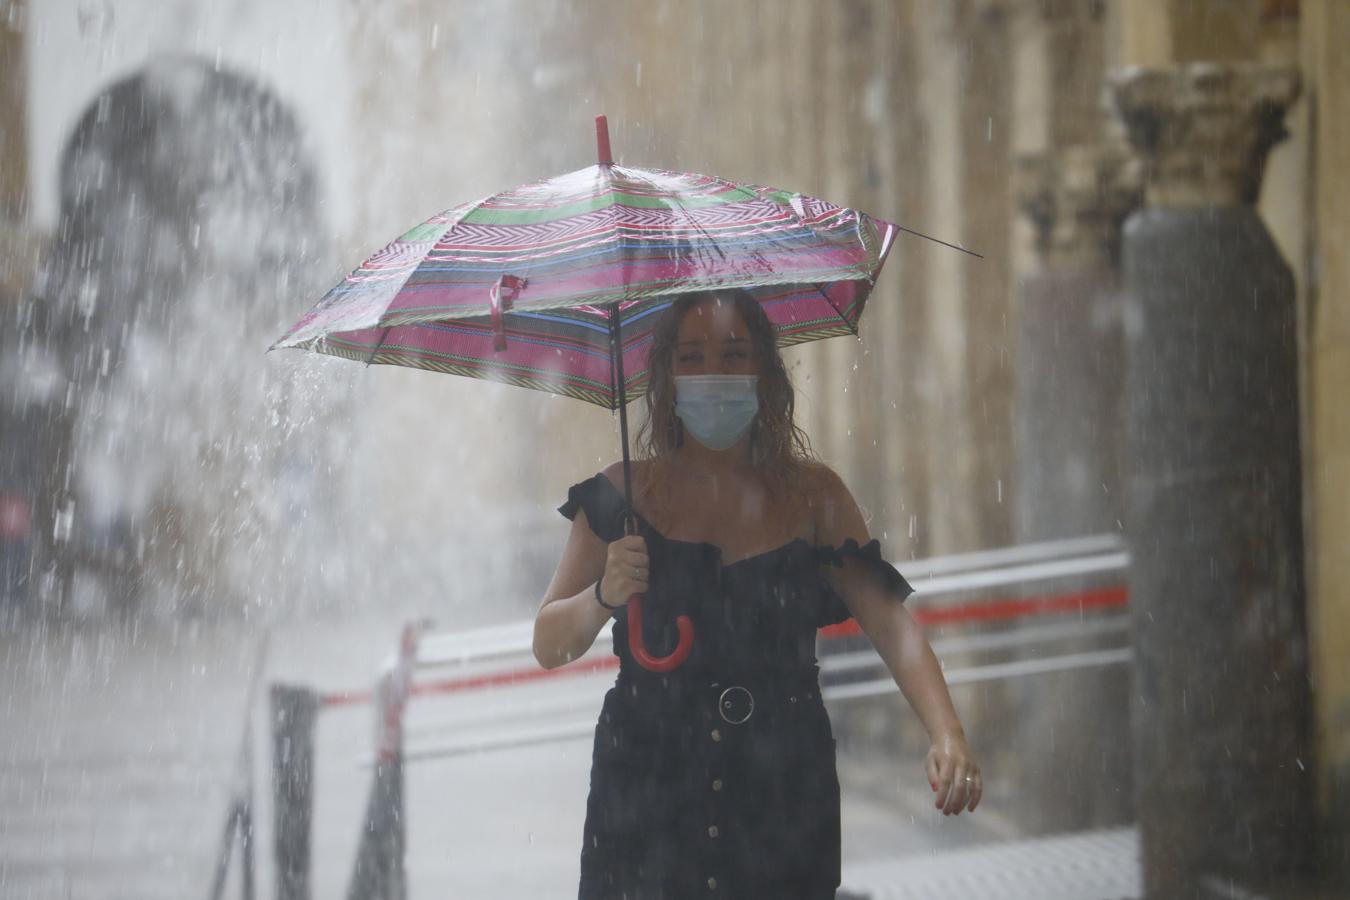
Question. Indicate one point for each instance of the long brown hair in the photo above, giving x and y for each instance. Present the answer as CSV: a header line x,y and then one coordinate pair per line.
x,y
778,448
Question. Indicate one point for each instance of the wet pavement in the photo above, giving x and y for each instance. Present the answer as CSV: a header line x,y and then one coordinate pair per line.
x,y
117,756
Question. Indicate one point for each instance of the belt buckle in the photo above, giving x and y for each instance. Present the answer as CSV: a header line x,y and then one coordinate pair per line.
x,y
729,699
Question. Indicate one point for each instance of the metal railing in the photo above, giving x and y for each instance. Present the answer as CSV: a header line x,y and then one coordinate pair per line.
x,y
951,590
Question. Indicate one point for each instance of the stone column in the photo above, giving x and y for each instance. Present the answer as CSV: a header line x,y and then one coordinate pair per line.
x,y
1213,519
1069,352
1067,380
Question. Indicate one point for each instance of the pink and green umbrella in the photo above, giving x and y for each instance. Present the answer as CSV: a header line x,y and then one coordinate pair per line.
x,y
557,285
523,286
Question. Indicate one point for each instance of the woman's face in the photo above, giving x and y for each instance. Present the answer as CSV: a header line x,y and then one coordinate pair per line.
x,y
714,340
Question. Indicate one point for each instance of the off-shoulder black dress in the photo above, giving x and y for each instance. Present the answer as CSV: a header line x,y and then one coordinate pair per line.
x,y
717,779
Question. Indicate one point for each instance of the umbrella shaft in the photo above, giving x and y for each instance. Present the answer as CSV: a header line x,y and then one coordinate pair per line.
x,y
616,354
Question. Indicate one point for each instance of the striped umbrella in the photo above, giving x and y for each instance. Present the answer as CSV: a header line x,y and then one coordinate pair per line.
x,y
526,286
557,285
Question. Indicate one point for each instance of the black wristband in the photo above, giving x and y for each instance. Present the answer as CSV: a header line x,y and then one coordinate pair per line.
x,y
601,600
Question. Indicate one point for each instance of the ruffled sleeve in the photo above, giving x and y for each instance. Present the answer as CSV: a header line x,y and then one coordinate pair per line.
x,y
603,503
868,555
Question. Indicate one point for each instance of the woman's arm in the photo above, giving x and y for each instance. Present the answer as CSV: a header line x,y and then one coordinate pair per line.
x,y
569,617
902,646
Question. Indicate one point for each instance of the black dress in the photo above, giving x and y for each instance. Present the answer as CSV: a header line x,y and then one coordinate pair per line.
x,y
717,779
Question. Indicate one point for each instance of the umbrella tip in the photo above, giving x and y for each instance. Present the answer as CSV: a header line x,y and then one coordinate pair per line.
x,y
602,141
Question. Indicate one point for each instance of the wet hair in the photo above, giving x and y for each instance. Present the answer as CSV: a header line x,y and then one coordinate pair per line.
x,y
778,448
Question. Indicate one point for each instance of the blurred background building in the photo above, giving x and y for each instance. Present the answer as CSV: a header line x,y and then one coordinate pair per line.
x,y
180,180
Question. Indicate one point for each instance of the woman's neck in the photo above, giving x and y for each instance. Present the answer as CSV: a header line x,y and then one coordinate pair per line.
x,y
696,461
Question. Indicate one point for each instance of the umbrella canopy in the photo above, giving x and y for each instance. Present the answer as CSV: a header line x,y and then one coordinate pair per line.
x,y
521,287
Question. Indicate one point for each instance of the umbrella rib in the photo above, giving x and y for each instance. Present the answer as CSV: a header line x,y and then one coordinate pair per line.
x,y
378,344
830,303
412,270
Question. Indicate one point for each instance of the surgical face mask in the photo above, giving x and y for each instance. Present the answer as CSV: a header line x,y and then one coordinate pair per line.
x,y
716,409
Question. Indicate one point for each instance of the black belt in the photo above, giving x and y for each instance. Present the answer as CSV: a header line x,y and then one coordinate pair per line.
x,y
736,700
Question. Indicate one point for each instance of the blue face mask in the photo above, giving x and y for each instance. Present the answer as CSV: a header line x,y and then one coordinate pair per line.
x,y
716,409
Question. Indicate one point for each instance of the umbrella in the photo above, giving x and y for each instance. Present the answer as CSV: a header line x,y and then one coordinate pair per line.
x,y
557,285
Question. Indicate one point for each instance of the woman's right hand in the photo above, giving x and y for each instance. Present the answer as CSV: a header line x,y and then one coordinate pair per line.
x,y
625,570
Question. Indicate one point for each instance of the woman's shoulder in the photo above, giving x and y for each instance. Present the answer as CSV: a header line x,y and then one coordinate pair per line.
x,y
834,514
819,483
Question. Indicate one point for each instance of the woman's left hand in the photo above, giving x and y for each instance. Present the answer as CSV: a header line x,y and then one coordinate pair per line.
x,y
954,775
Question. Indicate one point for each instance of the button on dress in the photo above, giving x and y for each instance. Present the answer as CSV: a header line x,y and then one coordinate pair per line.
x,y
717,779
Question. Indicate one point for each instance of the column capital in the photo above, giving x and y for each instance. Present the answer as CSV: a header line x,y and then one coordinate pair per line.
x,y
1203,130
1077,196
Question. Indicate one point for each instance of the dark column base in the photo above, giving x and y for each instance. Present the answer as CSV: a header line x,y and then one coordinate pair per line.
x,y
1220,706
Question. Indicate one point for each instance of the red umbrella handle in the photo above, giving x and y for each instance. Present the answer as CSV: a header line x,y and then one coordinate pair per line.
x,y
642,655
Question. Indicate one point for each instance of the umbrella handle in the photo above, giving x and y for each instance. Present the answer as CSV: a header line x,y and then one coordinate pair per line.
x,y
639,650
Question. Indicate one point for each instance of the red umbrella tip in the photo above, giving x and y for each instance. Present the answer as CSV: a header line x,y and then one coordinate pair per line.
x,y
602,141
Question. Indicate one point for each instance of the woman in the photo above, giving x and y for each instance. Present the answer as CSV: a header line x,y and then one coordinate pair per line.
x,y
718,778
